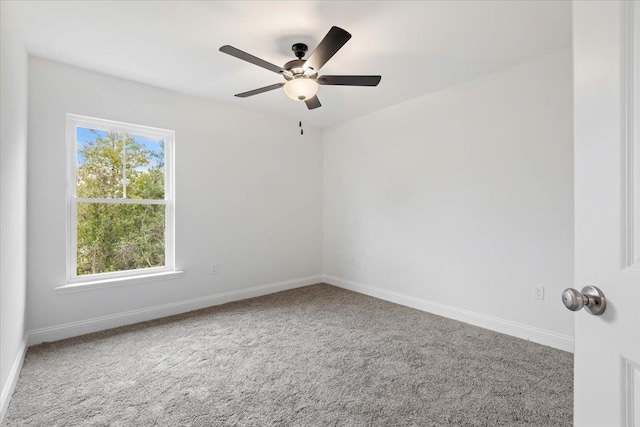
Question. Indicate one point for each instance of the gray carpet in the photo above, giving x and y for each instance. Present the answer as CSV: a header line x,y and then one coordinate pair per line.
x,y
315,356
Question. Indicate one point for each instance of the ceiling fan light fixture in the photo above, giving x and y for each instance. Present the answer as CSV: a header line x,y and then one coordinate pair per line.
x,y
301,88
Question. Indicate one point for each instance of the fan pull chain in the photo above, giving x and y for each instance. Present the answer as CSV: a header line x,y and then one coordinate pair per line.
x,y
300,125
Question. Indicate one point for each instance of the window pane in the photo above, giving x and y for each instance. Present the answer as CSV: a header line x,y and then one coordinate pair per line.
x,y
117,237
102,156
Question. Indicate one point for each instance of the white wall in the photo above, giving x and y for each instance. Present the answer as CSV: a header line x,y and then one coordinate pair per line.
x,y
248,198
13,201
460,202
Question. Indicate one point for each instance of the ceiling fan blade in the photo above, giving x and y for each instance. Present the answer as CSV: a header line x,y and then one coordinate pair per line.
x,y
230,50
330,44
349,80
313,103
261,90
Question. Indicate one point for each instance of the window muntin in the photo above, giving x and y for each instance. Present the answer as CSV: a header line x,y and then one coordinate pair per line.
x,y
120,199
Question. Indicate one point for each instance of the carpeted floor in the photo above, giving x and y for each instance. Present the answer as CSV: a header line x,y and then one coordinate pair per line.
x,y
315,356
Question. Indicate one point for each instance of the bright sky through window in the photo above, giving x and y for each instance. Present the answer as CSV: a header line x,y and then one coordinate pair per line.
x,y
86,135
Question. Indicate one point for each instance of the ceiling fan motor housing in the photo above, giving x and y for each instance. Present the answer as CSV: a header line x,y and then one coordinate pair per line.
x,y
295,66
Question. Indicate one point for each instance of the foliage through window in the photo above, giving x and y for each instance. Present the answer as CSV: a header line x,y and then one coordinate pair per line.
x,y
121,199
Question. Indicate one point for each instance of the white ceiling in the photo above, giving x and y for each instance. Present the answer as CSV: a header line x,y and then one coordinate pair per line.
x,y
417,47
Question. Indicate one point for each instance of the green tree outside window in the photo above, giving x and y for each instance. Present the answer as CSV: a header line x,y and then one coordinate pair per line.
x,y
120,236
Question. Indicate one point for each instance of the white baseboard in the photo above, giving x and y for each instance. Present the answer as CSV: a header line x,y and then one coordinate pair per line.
x,y
519,330
69,330
12,379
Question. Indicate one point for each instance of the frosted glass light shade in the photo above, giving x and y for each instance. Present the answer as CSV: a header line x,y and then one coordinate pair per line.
x,y
301,88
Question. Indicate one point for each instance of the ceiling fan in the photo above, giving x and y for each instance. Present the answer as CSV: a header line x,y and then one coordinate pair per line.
x,y
301,75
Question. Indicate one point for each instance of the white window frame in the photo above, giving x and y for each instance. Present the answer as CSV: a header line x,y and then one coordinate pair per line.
x,y
106,279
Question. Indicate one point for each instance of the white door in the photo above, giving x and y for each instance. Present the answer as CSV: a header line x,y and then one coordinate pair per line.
x,y
607,211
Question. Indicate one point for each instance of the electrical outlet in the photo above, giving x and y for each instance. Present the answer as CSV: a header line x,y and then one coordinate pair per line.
x,y
539,292
353,260
214,269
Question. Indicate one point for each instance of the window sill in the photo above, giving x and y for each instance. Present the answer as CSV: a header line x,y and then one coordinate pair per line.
x,y
119,281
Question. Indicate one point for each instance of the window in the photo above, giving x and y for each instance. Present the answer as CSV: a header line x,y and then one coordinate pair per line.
x,y
120,200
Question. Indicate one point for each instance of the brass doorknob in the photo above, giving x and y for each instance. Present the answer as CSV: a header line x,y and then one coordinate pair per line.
x,y
591,298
